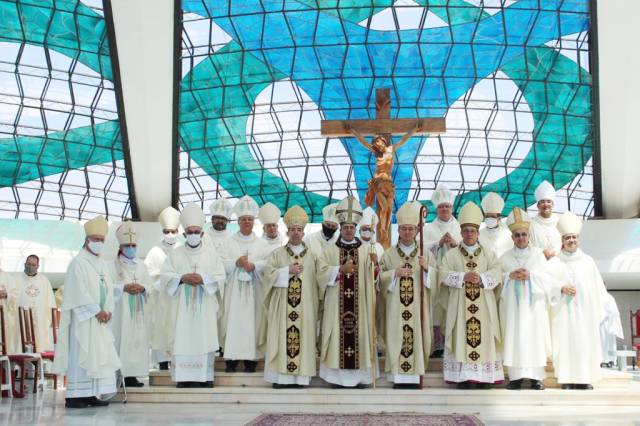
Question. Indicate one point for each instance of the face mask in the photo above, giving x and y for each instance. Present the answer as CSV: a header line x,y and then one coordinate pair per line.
x,y
328,232
129,252
193,240
365,234
30,270
170,239
491,222
95,247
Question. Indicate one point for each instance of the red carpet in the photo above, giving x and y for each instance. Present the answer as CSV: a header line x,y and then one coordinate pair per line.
x,y
386,419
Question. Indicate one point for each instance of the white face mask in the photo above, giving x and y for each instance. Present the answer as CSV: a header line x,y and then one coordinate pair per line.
x,y
366,235
170,238
491,222
95,246
193,240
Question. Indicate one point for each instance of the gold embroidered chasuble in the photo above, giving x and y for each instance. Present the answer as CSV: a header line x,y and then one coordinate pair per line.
x,y
472,328
408,343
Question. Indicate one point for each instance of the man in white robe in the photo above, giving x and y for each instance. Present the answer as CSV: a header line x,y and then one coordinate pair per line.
x,y
328,235
9,295
216,237
472,333
347,347
408,313
576,317
543,232
85,352
494,235
269,215
193,275
524,310
169,220
243,313
36,293
440,236
131,317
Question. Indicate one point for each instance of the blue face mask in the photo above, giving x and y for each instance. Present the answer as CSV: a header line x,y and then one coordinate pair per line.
x,y
129,252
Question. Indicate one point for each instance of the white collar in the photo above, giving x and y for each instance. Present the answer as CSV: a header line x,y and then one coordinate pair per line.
x,y
406,249
471,249
296,249
521,252
447,222
241,236
354,241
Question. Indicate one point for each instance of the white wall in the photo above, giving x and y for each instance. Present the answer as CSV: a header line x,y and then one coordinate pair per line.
x,y
619,63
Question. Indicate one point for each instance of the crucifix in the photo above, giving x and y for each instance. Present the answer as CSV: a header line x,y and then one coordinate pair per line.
x,y
381,188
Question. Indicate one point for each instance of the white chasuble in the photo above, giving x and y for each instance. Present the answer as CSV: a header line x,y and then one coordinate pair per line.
x,y
130,322
85,351
544,234
472,335
409,334
317,242
274,243
10,309
243,313
575,321
346,351
524,314
433,232
36,293
158,302
216,241
193,312
292,312
497,239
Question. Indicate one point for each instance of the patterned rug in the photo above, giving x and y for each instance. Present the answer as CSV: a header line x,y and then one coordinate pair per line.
x,y
385,419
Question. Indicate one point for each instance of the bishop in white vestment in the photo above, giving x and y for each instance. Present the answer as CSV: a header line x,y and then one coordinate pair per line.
x,y
243,314
269,215
9,295
36,293
328,235
576,318
368,226
169,220
86,352
524,307
494,235
543,232
217,236
193,275
472,333
132,315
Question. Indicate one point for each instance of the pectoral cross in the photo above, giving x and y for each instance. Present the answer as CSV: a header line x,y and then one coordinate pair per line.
x,y
195,268
349,259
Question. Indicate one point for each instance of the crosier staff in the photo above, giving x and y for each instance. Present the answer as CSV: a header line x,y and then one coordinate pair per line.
x,y
423,214
374,332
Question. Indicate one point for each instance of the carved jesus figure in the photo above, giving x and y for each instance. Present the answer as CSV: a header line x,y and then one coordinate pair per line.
x,y
381,187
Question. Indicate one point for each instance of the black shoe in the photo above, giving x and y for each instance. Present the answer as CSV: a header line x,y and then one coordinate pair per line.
x,y
485,386
413,386
463,385
437,353
279,386
537,385
95,402
566,386
76,402
250,366
515,384
182,385
230,366
163,365
132,382
583,387
208,384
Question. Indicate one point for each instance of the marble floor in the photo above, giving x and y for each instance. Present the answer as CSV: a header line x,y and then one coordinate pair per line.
x,y
48,409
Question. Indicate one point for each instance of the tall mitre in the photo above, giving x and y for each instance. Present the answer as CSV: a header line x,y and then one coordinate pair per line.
x,y
545,191
409,214
518,219
492,203
97,226
126,233
349,211
569,224
192,215
329,213
246,206
169,218
470,214
442,195
221,207
296,216
269,213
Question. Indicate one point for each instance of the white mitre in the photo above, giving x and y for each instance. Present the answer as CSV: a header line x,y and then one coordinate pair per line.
x,y
518,219
369,218
246,206
96,226
409,214
126,233
269,213
470,214
296,216
169,218
545,191
442,195
329,213
192,215
221,207
492,203
349,211
569,223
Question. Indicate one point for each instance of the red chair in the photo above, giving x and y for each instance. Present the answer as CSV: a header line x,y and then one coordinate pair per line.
x,y
634,323
22,361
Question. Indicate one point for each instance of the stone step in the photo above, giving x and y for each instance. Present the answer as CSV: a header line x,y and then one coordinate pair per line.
x,y
386,398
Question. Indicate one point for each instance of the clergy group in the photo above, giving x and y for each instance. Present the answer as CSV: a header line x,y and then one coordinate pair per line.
x,y
488,294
